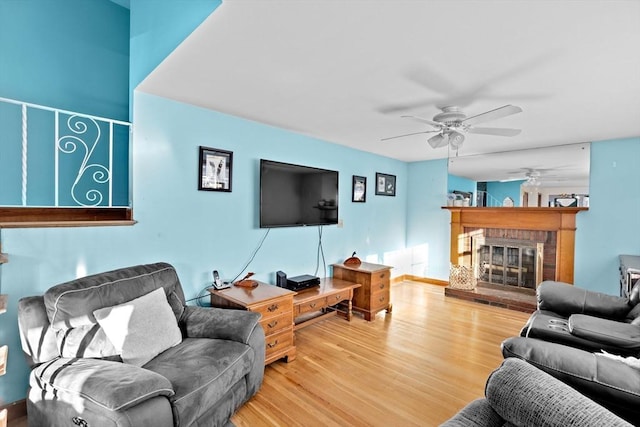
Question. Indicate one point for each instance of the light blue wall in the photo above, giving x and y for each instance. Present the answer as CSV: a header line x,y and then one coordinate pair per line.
x,y
427,247
501,190
458,183
611,226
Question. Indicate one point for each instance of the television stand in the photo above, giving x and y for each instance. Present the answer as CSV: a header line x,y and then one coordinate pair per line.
x,y
331,297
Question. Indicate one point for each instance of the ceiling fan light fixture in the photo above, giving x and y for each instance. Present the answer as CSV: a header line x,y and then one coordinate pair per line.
x,y
456,139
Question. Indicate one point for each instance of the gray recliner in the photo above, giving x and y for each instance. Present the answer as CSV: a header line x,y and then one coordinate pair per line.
x,y
517,394
89,341
584,319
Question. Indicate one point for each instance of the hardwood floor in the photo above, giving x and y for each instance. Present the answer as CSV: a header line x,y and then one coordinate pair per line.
x,y
415,367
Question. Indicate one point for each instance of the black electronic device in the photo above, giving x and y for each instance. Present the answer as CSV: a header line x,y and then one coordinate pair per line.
x,y
281,279
295,195
219,284
305,281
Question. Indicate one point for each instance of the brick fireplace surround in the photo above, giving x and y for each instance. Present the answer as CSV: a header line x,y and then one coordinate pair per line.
x,y
555,227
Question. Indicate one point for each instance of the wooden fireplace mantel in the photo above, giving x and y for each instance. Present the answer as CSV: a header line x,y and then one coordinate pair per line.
x,y
560,220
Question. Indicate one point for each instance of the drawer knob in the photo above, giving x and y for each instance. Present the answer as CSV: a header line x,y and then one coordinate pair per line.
x,y
272,344
272,307
338,297
381,299
381,275
273,324
381,285
312,305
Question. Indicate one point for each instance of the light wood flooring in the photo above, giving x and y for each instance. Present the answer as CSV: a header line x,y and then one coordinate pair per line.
x,y
415,367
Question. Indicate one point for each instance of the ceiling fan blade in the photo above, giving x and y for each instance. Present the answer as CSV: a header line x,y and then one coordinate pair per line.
x,y
404,106
438,140
420,119
498,113
494,131
409,134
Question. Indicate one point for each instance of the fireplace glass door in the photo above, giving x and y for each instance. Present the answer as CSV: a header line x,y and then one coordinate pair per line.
x,y
506,264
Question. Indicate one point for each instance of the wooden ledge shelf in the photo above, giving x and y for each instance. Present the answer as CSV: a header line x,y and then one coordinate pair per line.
x,y
32,217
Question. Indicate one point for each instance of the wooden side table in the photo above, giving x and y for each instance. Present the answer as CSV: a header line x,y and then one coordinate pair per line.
x,y
375,293
323,298
276,307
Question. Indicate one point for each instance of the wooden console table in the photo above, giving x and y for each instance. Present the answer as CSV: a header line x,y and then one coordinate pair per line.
x,y
375,293
276,307
323,298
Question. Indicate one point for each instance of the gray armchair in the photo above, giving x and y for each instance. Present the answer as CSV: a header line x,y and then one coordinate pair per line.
x,y
113,350
585,319
518,394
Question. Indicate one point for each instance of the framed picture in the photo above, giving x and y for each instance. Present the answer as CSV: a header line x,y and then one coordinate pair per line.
x,y
215,169
385,184
359,190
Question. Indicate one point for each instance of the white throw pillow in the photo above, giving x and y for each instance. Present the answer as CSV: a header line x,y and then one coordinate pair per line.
x,y
142,328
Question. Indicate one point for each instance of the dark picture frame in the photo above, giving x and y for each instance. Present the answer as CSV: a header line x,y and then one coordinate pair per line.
x,y
385,184
359,189
215,169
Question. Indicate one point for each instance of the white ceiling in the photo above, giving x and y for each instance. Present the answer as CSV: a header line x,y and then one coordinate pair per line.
x,y
339,71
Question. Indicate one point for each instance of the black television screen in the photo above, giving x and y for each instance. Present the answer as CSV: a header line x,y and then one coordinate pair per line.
x,y
296,195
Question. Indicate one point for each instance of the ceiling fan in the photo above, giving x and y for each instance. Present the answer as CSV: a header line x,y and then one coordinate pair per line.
x,y
452,123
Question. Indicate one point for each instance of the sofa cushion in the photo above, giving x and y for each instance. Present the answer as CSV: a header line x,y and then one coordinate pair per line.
x,y
70,305
201,372
142,328
111,385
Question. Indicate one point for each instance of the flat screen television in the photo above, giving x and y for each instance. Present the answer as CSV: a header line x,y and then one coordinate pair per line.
x,y
295,195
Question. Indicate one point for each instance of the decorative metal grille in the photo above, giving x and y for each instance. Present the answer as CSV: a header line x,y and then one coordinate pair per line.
x,y
85,156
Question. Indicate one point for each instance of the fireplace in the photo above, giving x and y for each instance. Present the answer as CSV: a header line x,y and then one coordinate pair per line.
x,y
555,228
516,247
508,262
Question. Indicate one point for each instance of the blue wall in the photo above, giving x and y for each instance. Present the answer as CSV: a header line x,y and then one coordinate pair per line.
x,y
428,232
67,54
611,226
502,190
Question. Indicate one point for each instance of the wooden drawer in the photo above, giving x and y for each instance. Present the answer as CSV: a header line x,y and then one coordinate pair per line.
x,y
382,286
379,301
380,278
333,299
311,306
274,324
274,307
278,342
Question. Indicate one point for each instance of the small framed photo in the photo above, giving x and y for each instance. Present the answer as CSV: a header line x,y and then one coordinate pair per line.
x,y
215,169
385,184
359,191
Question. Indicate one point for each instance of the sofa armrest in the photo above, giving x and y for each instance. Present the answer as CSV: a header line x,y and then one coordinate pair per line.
x,y
565,299
476,413
228,324
114,386
526,396
611,383
608,332
38,340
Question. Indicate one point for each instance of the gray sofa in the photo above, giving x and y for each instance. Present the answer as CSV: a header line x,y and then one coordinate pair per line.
x,y
519,394
113,350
